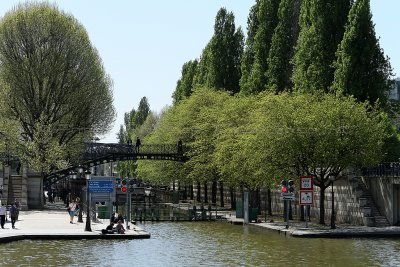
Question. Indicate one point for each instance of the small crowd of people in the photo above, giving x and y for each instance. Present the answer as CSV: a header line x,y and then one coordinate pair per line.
x,y
116,221
13,213
116,225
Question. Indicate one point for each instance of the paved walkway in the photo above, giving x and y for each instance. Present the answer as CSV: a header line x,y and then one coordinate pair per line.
x,y
54,224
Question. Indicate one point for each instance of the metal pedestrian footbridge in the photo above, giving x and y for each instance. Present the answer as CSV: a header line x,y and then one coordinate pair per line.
x,y
99,153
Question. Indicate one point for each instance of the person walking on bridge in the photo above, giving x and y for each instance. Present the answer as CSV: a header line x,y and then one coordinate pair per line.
x,y
138,144
180,150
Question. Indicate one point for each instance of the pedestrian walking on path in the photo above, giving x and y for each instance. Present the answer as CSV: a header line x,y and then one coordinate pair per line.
x,y
16,202
3,211
71,210
78,205
13,214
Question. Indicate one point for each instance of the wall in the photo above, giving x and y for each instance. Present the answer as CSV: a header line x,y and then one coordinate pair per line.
x,y
347,208
35,192
382,193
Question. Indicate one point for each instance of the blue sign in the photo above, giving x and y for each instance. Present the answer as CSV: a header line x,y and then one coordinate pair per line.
x,y
101,187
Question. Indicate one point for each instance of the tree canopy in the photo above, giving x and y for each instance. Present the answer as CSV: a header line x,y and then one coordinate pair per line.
x,y
219,65
50,74
362,70
322,25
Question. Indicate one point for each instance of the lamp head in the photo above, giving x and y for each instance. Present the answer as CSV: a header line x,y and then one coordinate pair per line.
x,y
88,175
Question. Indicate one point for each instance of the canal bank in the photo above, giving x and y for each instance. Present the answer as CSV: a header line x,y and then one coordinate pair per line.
x,y
54,224
312,230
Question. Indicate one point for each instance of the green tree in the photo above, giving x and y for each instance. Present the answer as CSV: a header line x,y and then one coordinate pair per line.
x,y
193,120
52,75
200,77
267,18
248,53
133,127
141,114
322,25
123,134
237,155
184,86
219,65
321,135
280,66
362,70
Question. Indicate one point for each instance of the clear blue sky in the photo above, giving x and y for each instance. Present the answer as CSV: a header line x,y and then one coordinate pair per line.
x,y
144,43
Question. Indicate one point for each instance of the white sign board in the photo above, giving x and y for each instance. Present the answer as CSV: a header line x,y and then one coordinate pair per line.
x,y
306,183
306,197
287,196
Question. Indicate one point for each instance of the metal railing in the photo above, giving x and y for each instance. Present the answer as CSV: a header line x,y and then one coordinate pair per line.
x,y
101,150
386,169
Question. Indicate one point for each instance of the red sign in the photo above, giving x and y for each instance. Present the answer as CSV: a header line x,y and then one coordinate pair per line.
x,y
306,183
306,190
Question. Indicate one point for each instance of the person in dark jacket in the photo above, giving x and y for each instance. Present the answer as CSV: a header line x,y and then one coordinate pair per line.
x,y
13,214
3,211
138,144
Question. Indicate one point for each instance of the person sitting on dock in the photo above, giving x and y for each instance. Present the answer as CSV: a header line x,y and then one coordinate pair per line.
x,y
120,228
109,229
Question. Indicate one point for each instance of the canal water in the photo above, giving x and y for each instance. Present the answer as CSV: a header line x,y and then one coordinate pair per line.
x,y
204,244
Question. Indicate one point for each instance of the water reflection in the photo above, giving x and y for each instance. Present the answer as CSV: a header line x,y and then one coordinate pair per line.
x,y
204,244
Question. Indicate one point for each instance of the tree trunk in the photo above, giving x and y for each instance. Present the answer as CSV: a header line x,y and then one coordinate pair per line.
x,y
191,191
322,206
214,192
221,193
233,198
205,193
269,202
198,197
185,192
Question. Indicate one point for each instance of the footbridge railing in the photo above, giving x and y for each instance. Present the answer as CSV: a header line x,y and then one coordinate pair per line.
x,y
100,153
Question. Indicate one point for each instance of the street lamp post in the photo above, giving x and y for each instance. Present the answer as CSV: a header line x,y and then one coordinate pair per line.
x,y
87,227
80,218
333,226
75,178
95,139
